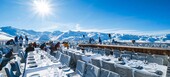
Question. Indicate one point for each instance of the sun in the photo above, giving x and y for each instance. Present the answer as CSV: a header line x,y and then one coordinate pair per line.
x,y
42,7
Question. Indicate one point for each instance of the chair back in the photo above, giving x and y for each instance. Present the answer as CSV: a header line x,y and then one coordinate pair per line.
x,y
91,71
62,58
18,69
96,62
155,60
113,74
9,71
67,60
78,57
80,67
168,71
123,71
116,54
58,55
107,73
126,56
108,66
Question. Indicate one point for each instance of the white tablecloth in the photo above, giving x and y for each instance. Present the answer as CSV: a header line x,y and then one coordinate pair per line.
x,y
151,67
42,64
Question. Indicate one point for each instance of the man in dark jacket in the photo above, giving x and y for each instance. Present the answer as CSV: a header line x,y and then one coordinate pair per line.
x,y
28,49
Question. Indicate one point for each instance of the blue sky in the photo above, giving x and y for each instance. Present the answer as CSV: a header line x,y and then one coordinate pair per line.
x,y
122,16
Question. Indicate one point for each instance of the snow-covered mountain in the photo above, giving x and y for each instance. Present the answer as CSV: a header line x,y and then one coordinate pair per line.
x,y
10,32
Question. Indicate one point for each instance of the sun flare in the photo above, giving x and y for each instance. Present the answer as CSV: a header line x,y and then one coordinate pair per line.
x,y
42,7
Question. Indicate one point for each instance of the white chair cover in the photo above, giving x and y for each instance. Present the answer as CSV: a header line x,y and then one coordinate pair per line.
x,y
107,73
91,71
80,67
96,62
123,71
108,66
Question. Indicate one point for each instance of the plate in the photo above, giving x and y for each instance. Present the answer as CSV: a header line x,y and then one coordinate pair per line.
x,y
66,69
35,75
88,55
32,65
32,62
106,59
120,62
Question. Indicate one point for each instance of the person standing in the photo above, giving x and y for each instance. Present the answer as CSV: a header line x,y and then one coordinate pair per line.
x,y
100,41
26,40
16,40
20,41
57,46
29,49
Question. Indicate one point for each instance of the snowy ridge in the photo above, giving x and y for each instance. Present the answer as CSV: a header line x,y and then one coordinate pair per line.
x,y
9,32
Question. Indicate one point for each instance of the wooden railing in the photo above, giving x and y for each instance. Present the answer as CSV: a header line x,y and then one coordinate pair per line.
x,y
149,50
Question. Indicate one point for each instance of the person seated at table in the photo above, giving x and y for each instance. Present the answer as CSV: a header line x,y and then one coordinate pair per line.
x,y
4,59
57,46
29,49
10,42
34,44
42,46
66,45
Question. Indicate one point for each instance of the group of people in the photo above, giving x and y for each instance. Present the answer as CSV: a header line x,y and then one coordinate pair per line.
x,y
92,41
18,40
6,54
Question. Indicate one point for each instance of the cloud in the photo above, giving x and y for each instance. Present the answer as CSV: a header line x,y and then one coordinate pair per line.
x,y
78,27
60,27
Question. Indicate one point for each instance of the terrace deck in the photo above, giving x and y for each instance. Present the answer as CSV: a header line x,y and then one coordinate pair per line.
x,y
149,50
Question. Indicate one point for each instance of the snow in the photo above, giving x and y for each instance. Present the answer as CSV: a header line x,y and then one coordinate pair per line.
x,y
10,32
4,36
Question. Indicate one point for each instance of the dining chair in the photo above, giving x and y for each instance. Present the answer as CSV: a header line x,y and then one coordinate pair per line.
x,y
123,71
155,60
96,62
108,65
67,60
80,67
113,74
62,59
107,73
91,71
108,52
164,57
78,57
168,71
95,51
140,73
18,69
72,61
116,54
9,71
58,55
126,56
